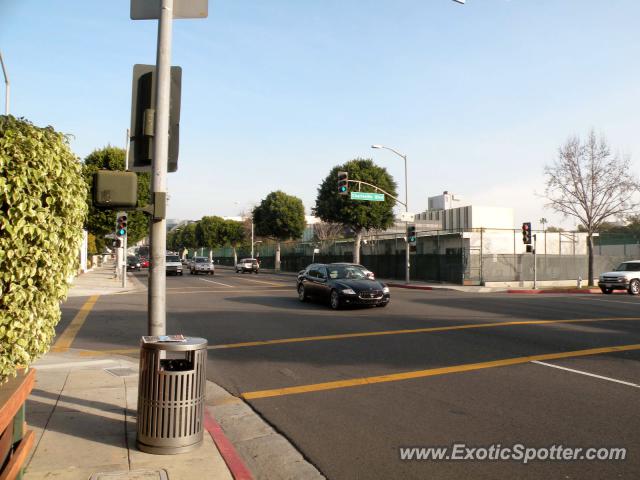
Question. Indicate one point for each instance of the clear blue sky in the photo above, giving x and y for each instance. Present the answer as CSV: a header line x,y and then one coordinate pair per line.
x,y
479,96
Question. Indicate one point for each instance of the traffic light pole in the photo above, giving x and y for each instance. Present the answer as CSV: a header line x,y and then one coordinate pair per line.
x,y
157,319
535,272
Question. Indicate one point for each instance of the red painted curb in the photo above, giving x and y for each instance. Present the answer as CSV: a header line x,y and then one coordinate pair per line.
x,y
569,290
230,455
411,287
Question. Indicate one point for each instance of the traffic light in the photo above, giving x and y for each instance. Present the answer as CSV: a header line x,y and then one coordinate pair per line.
x,y
121,225
411,234
526,233
343,183
143,117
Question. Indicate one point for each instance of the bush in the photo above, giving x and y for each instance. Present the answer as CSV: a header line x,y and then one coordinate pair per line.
x,y
42,210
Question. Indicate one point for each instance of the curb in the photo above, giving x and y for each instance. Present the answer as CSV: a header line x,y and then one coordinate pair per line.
x,y
411,287
592,291
228,452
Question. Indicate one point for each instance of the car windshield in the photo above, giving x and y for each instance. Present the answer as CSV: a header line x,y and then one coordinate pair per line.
x,y
342,272
628,267
173,258
202,260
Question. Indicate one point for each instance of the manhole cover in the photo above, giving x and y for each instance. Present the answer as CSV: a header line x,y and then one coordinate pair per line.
x,y
132,475
122,371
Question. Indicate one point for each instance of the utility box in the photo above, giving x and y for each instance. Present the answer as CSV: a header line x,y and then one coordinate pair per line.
x,y
171,395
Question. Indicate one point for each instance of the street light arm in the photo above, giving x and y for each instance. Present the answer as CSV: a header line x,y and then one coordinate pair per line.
x,y
390,149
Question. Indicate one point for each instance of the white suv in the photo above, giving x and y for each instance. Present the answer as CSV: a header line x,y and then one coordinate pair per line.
x,y
625,277
202,265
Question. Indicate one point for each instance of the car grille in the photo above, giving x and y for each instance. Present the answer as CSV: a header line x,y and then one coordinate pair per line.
x,y
373,294
173,268
610,279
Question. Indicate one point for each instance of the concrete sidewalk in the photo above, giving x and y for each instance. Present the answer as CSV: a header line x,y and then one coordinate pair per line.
x,y
102,281
83,414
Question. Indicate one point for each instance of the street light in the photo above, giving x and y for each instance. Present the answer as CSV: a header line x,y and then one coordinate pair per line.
x,y
6,82
252,242
406,202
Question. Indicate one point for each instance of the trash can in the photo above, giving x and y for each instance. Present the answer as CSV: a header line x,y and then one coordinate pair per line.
x,y
171,394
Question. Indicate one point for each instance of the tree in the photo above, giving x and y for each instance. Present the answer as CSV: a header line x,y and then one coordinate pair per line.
x,y
234,235
591,184
101,222
42,211
210,233
359,216
281,217
188,237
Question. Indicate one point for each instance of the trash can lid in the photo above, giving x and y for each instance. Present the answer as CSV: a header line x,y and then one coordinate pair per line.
x,y
189,343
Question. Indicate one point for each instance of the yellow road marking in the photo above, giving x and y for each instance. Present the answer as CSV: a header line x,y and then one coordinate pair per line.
x,y
341,336
278,392
212,290
68,336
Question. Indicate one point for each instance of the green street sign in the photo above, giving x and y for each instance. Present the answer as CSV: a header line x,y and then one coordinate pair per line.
x,y
372,197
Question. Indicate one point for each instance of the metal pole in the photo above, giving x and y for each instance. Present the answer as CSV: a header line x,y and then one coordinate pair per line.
x,y
535,273
157,321
126,150
126,261
252,236
7,86
406,205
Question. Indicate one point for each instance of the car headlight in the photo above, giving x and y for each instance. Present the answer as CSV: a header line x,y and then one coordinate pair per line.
x,y
622,279
385,290
348,291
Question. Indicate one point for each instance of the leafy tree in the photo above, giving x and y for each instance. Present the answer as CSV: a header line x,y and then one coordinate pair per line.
x,y
234,235
553,229
281,217
359,216
42,210
210,232
591,184
101,222
188,237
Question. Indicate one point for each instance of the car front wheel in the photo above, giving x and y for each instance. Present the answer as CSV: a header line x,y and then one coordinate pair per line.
x,y
634,287
334,300
302,295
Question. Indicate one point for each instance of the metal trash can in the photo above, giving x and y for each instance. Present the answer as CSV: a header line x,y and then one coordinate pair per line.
x,y
171,395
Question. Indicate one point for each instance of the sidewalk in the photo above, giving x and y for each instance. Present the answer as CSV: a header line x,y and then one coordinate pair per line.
x,y
83,414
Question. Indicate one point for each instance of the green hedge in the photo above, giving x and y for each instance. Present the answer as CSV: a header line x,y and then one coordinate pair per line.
x,y
42,210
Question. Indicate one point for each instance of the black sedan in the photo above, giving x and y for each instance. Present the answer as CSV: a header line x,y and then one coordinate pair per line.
x,y
341,284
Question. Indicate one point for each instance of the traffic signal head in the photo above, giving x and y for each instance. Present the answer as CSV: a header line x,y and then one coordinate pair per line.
x,y
526,233
121,225
343,183
411,234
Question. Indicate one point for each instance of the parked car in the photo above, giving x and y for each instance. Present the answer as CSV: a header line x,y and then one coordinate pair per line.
x,y
248,265
144,262
173,265
202,265
133,262
341,284
625,277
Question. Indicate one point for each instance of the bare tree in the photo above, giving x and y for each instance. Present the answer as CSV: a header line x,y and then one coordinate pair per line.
x,y
327,231
591,184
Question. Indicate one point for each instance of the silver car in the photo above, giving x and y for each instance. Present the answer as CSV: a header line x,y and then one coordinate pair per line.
x,y
202,265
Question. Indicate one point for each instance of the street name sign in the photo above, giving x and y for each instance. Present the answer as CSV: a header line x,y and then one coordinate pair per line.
x,y
372,197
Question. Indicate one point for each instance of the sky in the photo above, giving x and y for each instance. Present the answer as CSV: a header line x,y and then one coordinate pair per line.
x,y
275,94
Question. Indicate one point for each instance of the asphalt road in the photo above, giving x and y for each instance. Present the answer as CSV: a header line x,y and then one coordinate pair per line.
x,y
434,368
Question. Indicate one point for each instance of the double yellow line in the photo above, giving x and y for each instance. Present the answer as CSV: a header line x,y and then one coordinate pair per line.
x,y
355,382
